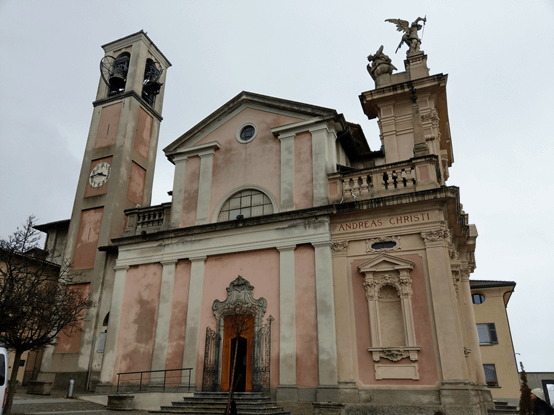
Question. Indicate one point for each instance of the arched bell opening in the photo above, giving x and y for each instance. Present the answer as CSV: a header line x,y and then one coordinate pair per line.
x,y
151,85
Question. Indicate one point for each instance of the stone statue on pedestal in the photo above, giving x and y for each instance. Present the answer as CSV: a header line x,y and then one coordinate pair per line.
x,y
379,64
410,37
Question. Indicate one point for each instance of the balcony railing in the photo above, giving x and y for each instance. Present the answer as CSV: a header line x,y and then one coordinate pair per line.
x,y
148,219
416,174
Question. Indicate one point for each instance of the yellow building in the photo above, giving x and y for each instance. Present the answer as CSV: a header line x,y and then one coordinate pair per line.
x,y
490,299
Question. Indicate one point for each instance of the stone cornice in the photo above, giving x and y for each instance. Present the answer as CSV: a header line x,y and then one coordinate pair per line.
x,y
128,94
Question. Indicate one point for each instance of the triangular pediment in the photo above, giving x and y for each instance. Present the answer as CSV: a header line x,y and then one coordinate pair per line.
x,y
298,111
385,262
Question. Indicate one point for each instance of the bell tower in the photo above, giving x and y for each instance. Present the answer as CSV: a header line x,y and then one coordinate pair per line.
x,y
116,174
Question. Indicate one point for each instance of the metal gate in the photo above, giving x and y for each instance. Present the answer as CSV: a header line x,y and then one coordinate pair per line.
x,y
261,369
210,379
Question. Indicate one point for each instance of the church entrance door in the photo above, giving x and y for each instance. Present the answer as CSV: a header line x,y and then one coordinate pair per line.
x,y
242,344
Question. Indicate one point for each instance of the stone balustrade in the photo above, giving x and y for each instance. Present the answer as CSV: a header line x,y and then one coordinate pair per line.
x,y
418,173
147,219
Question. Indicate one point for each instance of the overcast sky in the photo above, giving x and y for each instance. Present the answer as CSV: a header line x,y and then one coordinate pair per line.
x,y
499,56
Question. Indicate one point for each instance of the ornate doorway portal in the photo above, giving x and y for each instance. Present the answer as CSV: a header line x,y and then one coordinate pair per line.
x,y
239,326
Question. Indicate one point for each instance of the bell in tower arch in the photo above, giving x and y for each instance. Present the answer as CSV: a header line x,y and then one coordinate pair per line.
x,y
114,72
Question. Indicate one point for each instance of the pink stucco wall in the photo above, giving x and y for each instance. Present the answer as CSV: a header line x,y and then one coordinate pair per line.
x,y
108,125
255,163
143,133
422,322
303,174
261,269
87,240
307,370
69,340
139,312
135,189
177,326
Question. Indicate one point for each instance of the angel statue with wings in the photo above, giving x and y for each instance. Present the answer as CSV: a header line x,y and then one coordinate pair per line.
x,y
410,36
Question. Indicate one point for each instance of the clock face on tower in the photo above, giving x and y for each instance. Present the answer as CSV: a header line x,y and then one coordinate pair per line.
x,y
99,175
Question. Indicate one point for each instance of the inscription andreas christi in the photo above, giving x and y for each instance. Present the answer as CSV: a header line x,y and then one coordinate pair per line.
x,y
383,222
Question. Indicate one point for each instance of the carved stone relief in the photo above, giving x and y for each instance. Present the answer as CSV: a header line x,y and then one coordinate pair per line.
x,y
340,246
240,296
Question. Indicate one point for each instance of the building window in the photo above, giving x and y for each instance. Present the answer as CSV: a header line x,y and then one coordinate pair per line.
x,y
245,204
487,333
246,133
490,375
383,245
477,298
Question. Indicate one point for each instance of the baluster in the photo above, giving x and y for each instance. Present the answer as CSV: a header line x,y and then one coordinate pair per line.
x,y
365,186
408,176
413,177
346,187
385,182
356,189
394,180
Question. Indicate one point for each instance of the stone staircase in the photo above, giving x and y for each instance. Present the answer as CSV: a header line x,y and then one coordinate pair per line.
x,y
502,408
208,403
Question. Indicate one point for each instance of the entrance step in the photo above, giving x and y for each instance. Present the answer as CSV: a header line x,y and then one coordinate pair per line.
x,y
502,408
207,403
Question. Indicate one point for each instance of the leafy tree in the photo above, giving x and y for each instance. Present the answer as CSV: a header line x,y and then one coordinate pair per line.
x,y
38,299
525,403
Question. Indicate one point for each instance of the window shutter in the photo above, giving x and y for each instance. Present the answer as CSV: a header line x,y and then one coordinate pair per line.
x,y
492,331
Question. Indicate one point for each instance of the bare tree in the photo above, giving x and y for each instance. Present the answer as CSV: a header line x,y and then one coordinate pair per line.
x,y
242,320
525,404
38,299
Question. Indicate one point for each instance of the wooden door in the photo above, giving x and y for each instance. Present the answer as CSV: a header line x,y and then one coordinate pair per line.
x,y
243,344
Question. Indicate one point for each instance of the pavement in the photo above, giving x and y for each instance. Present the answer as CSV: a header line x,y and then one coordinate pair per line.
x,y
57,403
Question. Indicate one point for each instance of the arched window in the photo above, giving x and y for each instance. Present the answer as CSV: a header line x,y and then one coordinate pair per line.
x,y
245,204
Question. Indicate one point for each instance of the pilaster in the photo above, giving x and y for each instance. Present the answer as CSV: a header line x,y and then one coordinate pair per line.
x,y
473,352
204,187
192,334
344,315
444,309
287,390
107,372
322,164
327,350
164,316
178,193
287,172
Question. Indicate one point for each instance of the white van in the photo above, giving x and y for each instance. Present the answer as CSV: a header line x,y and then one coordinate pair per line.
x,y
4,359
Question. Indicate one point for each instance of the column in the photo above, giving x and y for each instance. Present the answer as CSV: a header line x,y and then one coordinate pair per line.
x,y
204,187
287,390
178,193
164,317
321,165
444,308
107,371
327,349
287,172
192,333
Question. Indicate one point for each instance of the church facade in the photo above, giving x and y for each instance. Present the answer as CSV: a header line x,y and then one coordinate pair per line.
x,y
351,266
